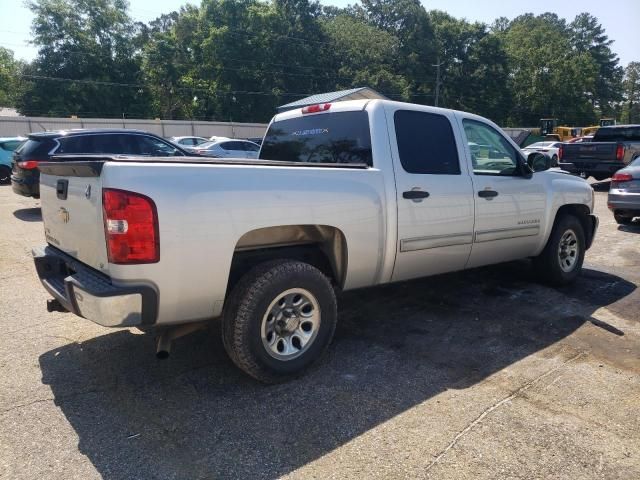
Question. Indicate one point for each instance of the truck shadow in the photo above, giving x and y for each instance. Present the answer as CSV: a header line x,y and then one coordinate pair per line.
x,y
195,415
28,214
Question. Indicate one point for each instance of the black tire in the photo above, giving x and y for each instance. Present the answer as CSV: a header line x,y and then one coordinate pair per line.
x,y
622,220
554,161
5,175
548,263
247,307
600,176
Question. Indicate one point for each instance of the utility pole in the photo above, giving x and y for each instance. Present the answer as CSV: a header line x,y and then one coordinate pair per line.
x,y
438,65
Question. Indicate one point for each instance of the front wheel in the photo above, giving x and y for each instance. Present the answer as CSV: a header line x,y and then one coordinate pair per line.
x,y
279,319
560,262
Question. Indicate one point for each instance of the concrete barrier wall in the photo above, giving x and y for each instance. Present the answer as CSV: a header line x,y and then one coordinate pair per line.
x,y
13,126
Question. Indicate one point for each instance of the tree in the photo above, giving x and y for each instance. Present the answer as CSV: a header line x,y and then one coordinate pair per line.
x,y
588,37
474,67
409,22
631,85
547,77
10,70
89,45
365,55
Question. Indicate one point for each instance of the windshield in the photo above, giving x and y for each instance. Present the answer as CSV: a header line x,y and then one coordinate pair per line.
x,y
341,137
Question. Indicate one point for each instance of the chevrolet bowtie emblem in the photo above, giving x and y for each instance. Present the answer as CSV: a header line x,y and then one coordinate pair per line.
x,y
63,214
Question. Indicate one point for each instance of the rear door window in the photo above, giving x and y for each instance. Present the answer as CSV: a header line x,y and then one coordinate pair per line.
x,y
341,137
426,144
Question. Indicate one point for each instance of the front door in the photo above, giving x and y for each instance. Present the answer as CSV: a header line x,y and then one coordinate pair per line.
x,y
434,192
510,207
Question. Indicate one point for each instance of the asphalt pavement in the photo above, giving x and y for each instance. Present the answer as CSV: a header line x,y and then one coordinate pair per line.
x,y
477,375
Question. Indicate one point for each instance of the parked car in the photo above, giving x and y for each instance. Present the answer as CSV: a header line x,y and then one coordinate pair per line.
x,y
345,195
188,141
583,139
227,148
7,147
549,149
40,147
611,149
624,193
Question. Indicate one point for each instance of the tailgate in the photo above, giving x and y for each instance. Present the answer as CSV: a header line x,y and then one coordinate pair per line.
x,y
605,151
71,198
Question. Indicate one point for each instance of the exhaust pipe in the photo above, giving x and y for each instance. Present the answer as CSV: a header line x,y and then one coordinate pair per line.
x,y
166,337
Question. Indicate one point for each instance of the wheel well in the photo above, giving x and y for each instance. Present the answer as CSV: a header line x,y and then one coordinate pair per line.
x,y
322,246
581,212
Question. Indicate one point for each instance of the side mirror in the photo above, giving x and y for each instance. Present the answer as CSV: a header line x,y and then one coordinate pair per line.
x,y
538,162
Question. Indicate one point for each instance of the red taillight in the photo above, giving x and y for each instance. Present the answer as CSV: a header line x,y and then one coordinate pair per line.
x,y
130,227
622,177
28,164
620,152
321,107
560,152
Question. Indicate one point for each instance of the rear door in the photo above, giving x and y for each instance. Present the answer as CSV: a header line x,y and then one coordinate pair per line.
x,y
434,192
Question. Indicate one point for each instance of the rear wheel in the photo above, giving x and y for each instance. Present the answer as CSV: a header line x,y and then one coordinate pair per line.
x,y
554,161
279,319
5,175
561,260
600,176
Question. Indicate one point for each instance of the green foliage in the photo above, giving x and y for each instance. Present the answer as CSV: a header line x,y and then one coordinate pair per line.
x,y
631,87
87,41
10,69
239,59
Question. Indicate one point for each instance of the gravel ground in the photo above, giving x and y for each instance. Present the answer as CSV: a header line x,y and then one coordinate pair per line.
x,y
481,374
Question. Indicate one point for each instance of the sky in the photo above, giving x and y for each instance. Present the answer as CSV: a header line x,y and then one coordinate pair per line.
x,y
620,18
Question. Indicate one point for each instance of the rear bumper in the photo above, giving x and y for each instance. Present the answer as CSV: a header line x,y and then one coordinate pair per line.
x,y
624,201
593,166
90,294
25,187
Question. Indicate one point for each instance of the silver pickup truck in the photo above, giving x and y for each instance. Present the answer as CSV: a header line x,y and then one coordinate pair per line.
x,y
343,196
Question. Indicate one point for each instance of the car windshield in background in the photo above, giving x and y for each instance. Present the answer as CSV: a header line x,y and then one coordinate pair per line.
x,y
617,134
341,137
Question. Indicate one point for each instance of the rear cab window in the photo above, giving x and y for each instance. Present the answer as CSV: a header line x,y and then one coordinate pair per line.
x,y
617,134
329,138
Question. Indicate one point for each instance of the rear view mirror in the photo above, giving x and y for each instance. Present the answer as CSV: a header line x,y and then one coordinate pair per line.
x,y
538,162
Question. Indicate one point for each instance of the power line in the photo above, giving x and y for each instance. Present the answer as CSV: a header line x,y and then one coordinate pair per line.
x,y
188,89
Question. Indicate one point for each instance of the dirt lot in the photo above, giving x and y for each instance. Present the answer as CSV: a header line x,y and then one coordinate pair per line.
x,y
482,374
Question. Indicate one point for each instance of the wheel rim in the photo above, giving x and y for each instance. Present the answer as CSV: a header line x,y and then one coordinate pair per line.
x,y
568,251
290,324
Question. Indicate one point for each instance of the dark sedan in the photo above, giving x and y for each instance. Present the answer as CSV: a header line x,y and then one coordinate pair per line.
x,y
624,193
40,147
